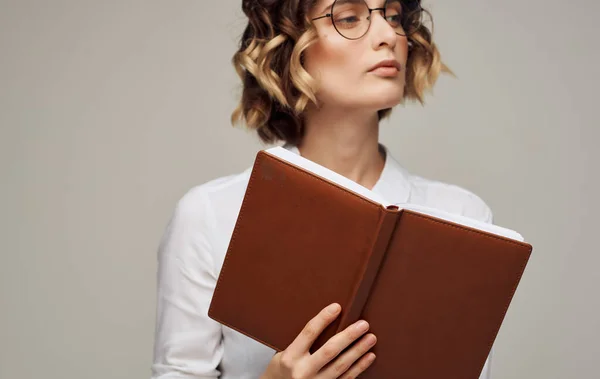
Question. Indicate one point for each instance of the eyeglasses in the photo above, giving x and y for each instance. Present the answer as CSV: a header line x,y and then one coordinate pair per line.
x,y
352,18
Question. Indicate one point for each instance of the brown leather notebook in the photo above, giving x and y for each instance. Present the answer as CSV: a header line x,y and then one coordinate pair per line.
x,y
434,287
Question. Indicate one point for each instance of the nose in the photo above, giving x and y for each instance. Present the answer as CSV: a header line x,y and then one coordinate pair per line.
x,y
382,33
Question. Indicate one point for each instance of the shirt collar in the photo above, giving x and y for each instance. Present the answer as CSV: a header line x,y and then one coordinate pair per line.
x,y
394,182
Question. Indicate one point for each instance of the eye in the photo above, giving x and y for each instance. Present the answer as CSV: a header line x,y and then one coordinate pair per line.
x,y
347,19
350,19
395,20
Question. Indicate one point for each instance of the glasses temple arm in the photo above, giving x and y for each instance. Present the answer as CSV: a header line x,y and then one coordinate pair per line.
x,y
318,18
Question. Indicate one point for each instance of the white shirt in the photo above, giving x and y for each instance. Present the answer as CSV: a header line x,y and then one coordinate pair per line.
x,y
188,344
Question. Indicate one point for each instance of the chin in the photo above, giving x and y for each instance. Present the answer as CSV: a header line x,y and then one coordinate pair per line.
x,y
385,100
386,95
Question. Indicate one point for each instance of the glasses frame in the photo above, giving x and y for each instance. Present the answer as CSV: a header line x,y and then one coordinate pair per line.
x,y
371,10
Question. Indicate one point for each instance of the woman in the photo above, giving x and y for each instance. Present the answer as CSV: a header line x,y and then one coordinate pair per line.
x,y
319,76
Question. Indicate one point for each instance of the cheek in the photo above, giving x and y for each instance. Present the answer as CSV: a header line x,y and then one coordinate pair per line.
x,y
403,50
329,58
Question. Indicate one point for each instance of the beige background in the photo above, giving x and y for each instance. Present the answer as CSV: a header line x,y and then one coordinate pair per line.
x,y
111,110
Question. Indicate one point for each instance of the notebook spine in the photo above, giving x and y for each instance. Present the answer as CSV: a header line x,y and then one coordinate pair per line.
x,y
387,223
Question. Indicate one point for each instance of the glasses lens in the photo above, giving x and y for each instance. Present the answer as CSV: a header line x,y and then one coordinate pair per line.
x,y
405,16
351,18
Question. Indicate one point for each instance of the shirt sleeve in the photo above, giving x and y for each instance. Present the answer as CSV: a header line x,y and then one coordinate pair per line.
x,y
187,342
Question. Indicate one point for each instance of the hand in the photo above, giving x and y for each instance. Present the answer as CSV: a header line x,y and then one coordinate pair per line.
x,y
296,362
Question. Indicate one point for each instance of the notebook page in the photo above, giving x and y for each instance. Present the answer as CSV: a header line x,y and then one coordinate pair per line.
x,y
351,185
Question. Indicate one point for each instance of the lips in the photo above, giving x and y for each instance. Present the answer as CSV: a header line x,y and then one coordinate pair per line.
x,y
388,64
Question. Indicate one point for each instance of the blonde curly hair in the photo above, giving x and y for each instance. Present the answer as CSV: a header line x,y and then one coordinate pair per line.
x,y
276,87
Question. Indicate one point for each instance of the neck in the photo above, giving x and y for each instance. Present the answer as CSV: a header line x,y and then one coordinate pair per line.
x,y
345,142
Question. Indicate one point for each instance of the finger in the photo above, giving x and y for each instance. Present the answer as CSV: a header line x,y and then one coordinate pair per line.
x,y
345,361
359,367
313,329
336,344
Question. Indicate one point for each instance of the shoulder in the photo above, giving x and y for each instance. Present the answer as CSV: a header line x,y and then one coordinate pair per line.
x,y
219,193
450,198
204,213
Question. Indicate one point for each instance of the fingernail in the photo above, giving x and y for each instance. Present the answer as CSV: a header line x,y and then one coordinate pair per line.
x,y
371,339
333,308
362,325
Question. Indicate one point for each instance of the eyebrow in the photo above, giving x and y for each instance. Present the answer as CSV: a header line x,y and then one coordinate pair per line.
x,y
328,7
